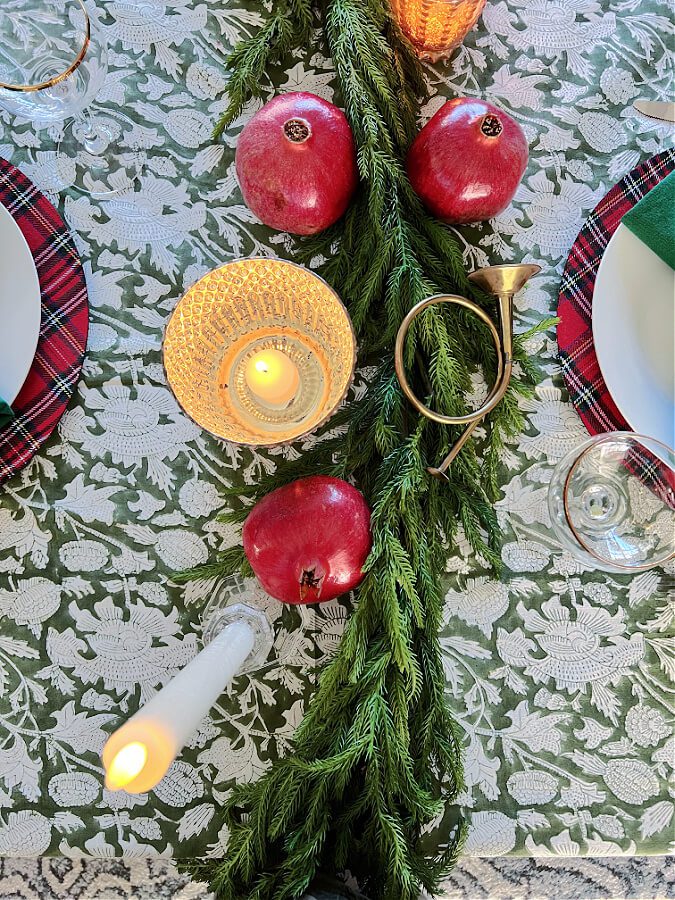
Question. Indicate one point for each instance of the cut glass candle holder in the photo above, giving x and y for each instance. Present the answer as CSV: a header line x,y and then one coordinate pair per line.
x,y
436,27
260,352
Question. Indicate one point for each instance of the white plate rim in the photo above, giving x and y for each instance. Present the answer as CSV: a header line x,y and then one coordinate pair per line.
x,y
35,302
606,353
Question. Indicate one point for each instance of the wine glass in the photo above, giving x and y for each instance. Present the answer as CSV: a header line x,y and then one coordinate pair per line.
x,y
53,63
612,502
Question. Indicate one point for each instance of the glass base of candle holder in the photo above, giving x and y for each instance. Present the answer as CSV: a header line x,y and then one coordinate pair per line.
x,y
219,617
433,56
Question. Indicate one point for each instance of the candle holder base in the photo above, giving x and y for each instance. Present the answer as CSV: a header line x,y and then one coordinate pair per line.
x,y
434,56
256,619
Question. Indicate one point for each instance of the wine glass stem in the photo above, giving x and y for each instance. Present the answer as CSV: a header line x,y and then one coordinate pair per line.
x,y
87,133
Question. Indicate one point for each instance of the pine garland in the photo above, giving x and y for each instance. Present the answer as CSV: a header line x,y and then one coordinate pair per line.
x,y
377,756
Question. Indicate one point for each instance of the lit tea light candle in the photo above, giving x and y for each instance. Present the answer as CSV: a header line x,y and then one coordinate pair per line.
x,y
273,377
137,756
279,357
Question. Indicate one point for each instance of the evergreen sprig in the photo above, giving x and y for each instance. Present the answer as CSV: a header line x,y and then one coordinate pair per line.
x,y
377,756
287,26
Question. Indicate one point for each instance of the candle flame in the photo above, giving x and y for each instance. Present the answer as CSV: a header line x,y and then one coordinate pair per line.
x,y
272,377
126,765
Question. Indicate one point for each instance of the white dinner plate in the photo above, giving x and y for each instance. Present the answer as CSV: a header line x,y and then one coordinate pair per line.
x,y
19,307
634,334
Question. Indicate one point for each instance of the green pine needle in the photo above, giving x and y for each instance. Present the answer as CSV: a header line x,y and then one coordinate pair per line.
x,y
229,562
287,26
378,754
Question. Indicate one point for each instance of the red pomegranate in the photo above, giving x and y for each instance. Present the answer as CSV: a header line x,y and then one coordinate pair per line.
x,y
467,161
296,163
308,541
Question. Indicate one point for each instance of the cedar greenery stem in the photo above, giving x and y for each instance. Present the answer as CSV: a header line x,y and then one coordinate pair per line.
x,y
286,27
378,754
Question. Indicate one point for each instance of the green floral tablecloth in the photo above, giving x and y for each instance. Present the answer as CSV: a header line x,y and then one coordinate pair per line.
x,y
558,674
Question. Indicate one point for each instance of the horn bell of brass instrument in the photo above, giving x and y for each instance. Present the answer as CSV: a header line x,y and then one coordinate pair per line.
x,y
502,282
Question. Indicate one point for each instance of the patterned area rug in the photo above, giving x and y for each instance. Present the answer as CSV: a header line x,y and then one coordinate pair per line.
x,y
637,878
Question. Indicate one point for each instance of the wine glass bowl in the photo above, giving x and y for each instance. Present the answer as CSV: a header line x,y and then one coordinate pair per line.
x,y
53,63
612,502
51,66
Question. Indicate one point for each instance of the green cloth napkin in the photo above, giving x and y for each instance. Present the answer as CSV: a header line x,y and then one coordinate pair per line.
x,y
6,414
653,219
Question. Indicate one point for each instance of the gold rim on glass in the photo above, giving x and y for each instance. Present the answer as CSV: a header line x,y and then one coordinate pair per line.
x,y
43,85
612,435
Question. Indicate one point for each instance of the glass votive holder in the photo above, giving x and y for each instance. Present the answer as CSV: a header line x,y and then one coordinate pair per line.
x,y
436,27
260,352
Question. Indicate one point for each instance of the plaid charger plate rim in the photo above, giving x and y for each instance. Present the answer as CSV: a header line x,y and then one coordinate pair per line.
x,y
579,363
64,321
585,384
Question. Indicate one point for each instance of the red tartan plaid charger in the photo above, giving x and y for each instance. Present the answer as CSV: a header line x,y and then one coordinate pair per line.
x,y
63,329
581,372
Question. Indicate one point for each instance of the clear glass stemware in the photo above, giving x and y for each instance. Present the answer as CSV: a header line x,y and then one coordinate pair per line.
x,y
612,502
53,63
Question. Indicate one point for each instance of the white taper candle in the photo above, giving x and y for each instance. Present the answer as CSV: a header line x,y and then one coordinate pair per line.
x,y
136,756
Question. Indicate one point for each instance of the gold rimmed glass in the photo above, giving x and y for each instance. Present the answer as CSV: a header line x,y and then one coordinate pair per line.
x,y
612,502
260,352
53,63
436,27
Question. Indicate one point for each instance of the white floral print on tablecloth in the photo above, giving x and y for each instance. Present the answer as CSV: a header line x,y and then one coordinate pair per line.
x,y
558,674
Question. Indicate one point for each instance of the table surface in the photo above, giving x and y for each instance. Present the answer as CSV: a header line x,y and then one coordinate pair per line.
x,y
557,673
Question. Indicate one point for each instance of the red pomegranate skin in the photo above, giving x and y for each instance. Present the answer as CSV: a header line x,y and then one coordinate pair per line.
x,y
307,541
296,163
467,161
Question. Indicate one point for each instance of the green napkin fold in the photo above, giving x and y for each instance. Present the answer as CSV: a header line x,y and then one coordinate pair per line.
x,y
653,219
6,414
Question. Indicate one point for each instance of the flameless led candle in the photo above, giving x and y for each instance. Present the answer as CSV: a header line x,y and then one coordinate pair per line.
x,y
137,756
273,377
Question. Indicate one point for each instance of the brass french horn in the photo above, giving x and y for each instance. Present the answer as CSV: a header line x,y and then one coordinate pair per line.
x,y
503,282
